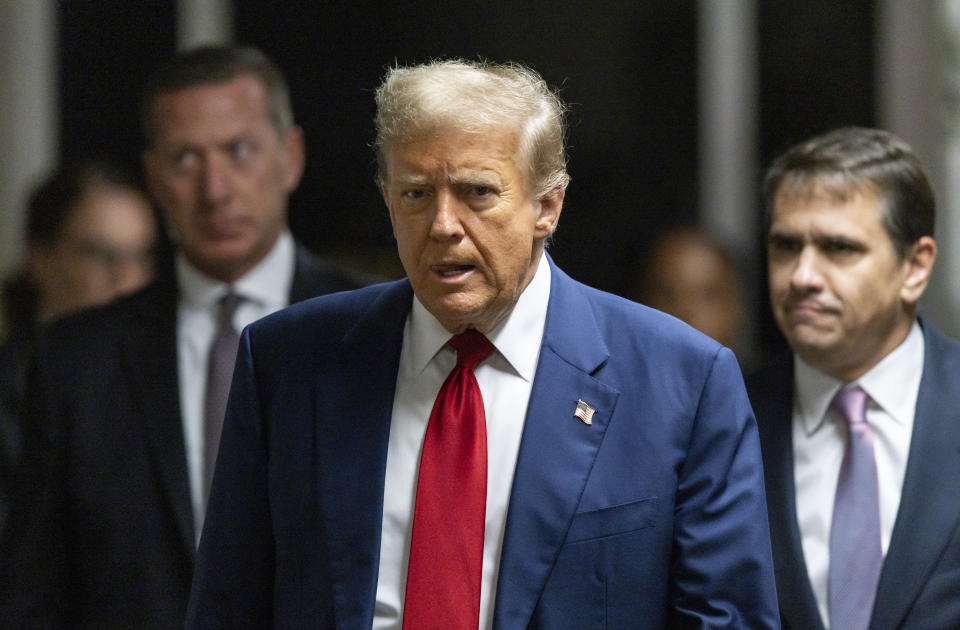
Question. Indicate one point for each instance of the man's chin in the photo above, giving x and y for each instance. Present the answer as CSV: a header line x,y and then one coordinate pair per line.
x,y
225,260
815,349
459,311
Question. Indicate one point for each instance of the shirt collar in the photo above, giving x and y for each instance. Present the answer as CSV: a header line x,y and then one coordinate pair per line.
x,y
892,384
267,283
517,338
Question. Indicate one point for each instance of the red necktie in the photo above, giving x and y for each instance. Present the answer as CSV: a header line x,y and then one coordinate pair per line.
x,y
446,553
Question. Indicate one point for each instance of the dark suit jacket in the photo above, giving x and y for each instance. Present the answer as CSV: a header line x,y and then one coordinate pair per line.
x,y
920,580
101,530
651,517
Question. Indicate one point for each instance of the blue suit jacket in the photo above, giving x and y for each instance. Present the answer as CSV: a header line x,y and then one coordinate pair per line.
x,y
920,580
651,517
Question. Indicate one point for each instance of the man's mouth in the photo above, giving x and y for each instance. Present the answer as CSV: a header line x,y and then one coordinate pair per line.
x,y
809,308
451,271
224,227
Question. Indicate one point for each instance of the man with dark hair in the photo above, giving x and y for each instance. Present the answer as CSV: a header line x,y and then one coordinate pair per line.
x,y
486,443
860,425
126,404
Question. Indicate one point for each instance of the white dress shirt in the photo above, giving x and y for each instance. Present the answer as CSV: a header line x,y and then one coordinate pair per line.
x,y
819,440
265,289
505,379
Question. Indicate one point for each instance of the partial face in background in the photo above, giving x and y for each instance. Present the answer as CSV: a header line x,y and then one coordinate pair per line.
x,y
839,292
104,250
688,278
221,172
469,231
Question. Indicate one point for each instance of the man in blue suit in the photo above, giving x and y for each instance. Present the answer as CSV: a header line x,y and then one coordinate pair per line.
x,y
850,242
621,484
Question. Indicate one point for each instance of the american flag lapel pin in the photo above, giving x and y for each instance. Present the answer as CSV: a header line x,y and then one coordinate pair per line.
x,y
584,412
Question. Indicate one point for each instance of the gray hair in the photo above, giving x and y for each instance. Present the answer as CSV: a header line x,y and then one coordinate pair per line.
x,y
474,97
853,160
217,64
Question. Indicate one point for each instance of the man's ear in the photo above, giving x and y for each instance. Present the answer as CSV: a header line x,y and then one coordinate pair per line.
x,y
294,153
919,264
549,213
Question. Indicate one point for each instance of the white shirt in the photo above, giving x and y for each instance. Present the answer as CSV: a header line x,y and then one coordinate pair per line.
x,y
265,289
819,440
505,379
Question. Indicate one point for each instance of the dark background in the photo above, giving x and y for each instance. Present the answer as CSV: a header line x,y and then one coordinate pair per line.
x,y
626,68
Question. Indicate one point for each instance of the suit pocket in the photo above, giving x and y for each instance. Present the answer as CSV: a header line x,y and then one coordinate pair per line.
x,y
611,521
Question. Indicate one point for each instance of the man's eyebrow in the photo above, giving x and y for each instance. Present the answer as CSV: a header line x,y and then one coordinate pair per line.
x,y
412,179
474,176
838,239
783,235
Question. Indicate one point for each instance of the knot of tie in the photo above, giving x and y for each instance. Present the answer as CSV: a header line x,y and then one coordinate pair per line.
x,y
852,405
228,306
472,347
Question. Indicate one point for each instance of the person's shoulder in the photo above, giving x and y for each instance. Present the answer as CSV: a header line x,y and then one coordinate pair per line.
x,y
771,375
946,348
142,310
644,327
332,312
316,329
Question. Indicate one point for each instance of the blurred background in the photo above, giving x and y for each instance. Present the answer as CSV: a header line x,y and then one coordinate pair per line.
x,y
677,106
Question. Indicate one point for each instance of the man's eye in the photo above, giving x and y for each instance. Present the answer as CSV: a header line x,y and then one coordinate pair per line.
x,y
482,191
240,149
416,193
839,247
782,244
185,158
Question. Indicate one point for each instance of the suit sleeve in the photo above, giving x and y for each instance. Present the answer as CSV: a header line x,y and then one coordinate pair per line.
x,y
233,582
35,565
722,564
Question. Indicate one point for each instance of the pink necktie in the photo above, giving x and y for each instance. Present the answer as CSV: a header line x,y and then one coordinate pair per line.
x,y
856,555
446,551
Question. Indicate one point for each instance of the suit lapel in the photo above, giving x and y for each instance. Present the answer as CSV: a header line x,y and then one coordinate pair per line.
x,y
149,347
929,511
557,450
150,357
352,432
773,405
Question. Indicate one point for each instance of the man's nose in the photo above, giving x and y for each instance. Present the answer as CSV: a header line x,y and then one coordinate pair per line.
x,y
806,271
215,181
446,219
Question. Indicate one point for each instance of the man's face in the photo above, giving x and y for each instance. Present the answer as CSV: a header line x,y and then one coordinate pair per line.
x,y
221,173
104,250
838,291
691,280
468,230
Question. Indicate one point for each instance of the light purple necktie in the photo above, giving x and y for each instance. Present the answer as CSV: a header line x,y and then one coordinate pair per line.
x,y
855,551
223,354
